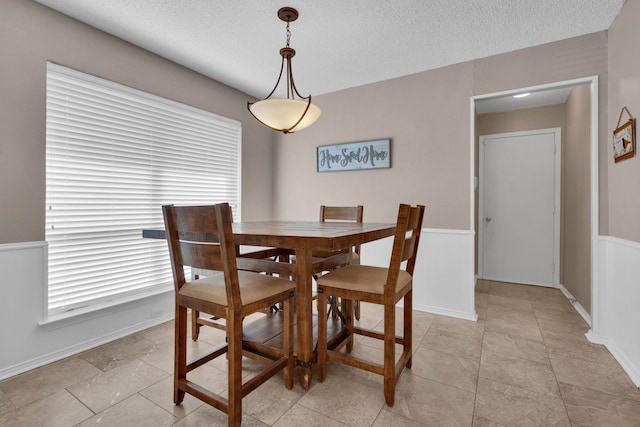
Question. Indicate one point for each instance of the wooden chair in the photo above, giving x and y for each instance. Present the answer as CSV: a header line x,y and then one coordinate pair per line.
x,y
341,213
377,285
201,237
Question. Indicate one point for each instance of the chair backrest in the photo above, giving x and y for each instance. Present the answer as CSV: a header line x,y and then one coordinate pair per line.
x,y
405,242
342,213
202,237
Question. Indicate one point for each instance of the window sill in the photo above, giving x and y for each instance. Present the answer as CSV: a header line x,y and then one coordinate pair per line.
x,y
83,314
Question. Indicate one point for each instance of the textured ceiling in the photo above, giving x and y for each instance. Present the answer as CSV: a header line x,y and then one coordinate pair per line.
x,y
339,43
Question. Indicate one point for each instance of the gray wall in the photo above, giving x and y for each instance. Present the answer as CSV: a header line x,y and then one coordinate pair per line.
x,y
576,201
427,116
30,35
624,90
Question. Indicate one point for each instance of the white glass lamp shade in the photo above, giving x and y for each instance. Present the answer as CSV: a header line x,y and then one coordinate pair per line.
x,y
282,114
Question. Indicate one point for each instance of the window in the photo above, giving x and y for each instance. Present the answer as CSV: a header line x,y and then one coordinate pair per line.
x,y
114,156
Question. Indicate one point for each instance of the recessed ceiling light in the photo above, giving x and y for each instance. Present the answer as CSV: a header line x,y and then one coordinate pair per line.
x,y
522,95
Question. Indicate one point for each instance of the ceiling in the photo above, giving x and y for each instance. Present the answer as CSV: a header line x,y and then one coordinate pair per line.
x,y
339,43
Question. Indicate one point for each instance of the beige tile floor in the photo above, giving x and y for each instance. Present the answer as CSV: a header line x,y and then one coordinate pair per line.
x,y
526,362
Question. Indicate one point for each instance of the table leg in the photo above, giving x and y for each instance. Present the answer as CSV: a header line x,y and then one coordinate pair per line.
x,y
304,313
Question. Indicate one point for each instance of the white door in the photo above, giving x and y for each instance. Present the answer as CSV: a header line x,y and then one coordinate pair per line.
x,y
519,207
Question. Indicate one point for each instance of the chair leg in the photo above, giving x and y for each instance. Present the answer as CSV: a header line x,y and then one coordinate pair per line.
x,y
347,312
333,307
195,315
356,304
408,327
389,353
234,355
180,353
195,326
322,336
288,343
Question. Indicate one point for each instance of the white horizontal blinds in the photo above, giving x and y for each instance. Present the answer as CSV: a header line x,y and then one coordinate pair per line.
x,y
115,155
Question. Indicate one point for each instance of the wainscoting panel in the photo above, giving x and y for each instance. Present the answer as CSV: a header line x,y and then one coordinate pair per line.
x,y
27,343
444,279
443,284
616,314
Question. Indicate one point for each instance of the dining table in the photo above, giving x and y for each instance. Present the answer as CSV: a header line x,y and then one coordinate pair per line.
x,y
302,239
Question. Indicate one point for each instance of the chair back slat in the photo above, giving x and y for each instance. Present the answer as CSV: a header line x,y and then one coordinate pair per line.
x,y
341,213
415,225
405,243
202,237
205,256
195,221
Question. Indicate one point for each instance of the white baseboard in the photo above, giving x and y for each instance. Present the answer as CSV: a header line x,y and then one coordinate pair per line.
x,y
579,308
596,339
82,346
27,343
445,312
627,365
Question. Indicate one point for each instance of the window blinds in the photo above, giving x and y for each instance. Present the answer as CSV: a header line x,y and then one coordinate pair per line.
x,y
114,156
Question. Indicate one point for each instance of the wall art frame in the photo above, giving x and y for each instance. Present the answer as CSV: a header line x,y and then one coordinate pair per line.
x,y
624,138
361,155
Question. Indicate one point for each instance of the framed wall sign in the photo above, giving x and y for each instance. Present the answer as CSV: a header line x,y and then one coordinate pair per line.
x,y
624,138
624,141
374,154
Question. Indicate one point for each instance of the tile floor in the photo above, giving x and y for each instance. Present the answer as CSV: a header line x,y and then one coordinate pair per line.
x,y
526,362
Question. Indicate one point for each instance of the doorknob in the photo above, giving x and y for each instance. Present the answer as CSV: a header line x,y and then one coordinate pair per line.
x,y
487,219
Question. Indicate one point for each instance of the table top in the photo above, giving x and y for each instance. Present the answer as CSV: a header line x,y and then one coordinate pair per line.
x,y
299,234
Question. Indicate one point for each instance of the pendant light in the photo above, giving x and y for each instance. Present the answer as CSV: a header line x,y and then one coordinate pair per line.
x,y
288,114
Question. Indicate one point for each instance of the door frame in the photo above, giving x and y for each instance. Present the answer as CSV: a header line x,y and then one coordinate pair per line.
x,y
592,82
556,195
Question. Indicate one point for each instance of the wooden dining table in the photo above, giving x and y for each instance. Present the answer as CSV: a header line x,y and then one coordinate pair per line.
x,y
302,239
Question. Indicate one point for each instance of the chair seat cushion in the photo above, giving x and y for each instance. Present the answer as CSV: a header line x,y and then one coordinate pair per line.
x,y
363,278
253,287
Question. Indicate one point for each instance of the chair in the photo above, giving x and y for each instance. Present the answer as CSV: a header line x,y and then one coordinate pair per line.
x,y
202,237
341,213
377,285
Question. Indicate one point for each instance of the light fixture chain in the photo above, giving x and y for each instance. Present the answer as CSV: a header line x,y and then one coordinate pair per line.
x,y
285,115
